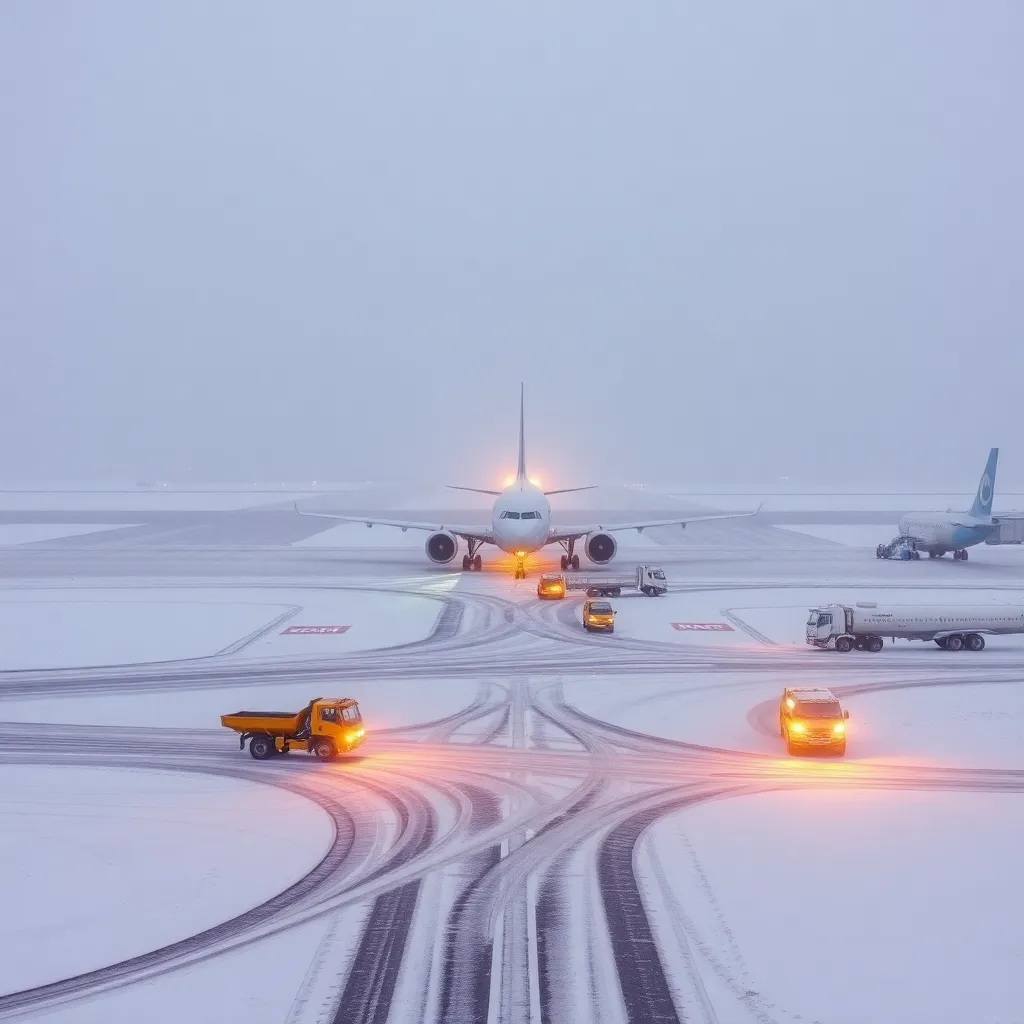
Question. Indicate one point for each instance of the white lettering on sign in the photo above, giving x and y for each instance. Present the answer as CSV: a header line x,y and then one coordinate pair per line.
x,y
314,629
707,627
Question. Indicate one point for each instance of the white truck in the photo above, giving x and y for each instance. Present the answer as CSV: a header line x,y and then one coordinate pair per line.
x,y
647,579
864,627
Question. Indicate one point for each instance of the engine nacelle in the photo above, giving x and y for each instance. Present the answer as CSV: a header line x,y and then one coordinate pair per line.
x,y
441,547
600,547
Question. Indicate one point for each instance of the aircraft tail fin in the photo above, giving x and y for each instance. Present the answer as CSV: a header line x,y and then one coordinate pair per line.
x,y
982,507
521,467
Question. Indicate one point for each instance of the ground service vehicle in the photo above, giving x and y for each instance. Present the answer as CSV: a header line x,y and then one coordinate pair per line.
x,y
811,716
598,615
647,579
550,587
839,627
326,727
903,549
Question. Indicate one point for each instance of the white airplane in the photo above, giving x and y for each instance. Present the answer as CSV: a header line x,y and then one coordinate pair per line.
x,y
521,524
939,532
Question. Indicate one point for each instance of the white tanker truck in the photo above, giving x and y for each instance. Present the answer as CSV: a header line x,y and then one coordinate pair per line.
x,y
864,627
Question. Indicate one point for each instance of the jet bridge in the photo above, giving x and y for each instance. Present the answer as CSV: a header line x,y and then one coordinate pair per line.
x,y
1009,529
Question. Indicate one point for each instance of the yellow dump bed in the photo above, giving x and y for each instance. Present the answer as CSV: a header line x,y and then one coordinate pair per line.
x,y
274,723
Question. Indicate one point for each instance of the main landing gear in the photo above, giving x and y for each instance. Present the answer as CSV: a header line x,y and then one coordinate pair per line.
x,y
472,560
570,560
960,555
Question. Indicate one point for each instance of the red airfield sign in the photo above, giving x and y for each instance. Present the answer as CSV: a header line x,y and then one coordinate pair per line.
x,y
703,627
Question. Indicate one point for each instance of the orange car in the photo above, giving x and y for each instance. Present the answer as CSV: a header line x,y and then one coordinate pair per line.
x,y
598,615
811,716
550,587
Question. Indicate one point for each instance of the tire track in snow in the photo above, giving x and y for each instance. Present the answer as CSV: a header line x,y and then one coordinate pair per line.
x,y
748,628
114,975
373,974
466,967
645,989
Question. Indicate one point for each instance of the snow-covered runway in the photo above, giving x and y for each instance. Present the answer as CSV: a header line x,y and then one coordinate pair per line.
x,y
543,824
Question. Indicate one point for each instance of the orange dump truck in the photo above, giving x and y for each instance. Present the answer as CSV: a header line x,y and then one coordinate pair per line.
x,y
326,727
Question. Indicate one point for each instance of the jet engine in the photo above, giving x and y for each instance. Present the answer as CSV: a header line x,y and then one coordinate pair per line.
x,y
441,547
600,547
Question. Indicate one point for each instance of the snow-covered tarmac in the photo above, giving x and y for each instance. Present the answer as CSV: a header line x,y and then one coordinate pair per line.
x,y
544,825
93,857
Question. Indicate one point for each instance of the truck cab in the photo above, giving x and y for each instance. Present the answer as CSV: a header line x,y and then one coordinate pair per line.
x,y
822,625
812,717
651,580
833,628
598,615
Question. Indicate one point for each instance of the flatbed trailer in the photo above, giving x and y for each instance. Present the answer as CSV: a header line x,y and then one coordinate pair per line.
x,y
648,580
326,728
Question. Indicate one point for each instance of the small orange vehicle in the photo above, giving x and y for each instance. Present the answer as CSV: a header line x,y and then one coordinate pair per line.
x,y
326,727
811,716
598,615
550,587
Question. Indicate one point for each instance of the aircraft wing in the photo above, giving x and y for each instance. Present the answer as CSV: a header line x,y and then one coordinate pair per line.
x,y
484,490
575,532
475,490
570,490
481,533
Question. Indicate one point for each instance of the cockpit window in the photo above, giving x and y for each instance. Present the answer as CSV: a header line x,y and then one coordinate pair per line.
x,y
509,515
531,515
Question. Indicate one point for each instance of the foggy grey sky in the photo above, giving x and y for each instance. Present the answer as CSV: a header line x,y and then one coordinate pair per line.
x,y
327,240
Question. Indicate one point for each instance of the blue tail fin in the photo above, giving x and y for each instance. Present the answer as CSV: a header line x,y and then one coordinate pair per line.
x,y
982,507
521,468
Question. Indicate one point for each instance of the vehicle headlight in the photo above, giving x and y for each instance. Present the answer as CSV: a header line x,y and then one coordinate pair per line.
x,y
839,728
797,727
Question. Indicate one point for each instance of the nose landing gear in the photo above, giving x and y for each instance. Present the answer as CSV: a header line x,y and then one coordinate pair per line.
x,y
520,573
